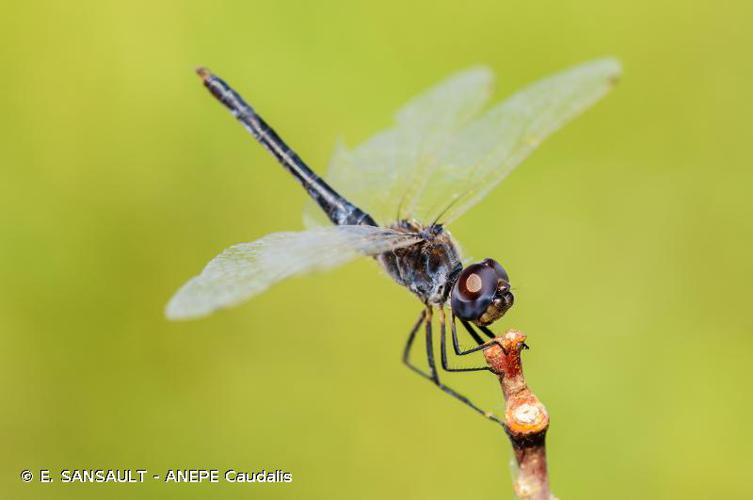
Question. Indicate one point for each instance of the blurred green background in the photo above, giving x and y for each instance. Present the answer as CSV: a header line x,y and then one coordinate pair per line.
x,y
627,235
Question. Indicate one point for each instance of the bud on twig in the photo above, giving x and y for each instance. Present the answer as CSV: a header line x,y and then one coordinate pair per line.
x,y
526,419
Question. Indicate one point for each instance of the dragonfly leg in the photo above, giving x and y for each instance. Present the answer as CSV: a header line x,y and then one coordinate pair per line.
x,y
459,351
433,375
430,349
409,346
482,345
469,329
489,334
456,345
484,329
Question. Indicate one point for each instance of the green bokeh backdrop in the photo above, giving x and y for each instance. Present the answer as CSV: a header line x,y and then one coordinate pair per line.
x,y
627,235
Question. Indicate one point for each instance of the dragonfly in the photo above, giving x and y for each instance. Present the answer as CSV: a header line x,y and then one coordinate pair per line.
x,y
445,152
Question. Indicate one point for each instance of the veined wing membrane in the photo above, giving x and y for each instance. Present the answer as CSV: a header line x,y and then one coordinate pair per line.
x,y
441,154
487,149
389,169
247,269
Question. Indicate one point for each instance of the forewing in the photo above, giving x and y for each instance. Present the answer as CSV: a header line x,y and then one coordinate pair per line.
x,y
390,169
247,269
479,156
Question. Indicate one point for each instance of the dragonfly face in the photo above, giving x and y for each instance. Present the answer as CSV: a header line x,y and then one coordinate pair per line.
x,y
482,293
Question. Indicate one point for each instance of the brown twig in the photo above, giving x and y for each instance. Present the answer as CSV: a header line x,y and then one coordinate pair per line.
x,y
526,419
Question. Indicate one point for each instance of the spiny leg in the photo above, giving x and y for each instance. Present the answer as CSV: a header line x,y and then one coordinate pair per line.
x,y
424,316
443,347
433,375
482,345
470,330
484,329
430,349
409,345
472,333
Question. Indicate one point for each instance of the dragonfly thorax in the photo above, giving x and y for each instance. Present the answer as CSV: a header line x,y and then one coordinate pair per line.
x,y
427,268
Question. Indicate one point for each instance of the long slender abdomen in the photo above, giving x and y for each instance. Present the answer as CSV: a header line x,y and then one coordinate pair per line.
x,y
339,210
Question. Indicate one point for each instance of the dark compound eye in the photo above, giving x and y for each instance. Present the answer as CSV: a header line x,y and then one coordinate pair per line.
x,y
501,273
474,290
477,281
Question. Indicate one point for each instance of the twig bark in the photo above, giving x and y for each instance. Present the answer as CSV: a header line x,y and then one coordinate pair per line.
x,y
526,418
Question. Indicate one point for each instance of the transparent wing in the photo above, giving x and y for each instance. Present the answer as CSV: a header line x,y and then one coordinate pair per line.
x,y
484,152
247,269
389,169
441,154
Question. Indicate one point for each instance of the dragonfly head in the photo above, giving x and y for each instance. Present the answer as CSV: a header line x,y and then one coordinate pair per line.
x,y
481,293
